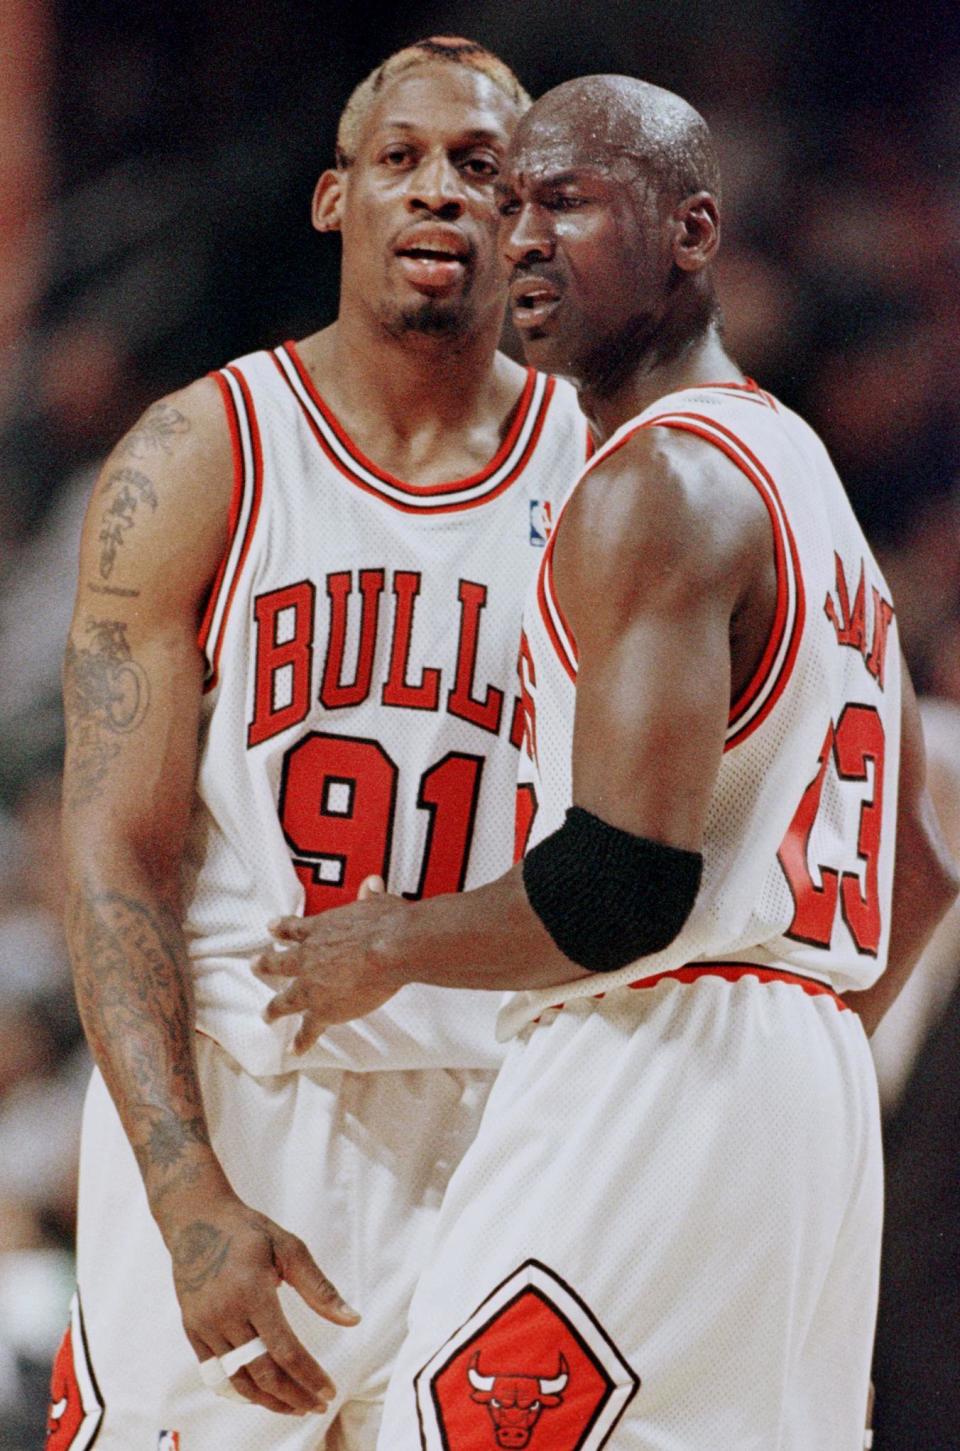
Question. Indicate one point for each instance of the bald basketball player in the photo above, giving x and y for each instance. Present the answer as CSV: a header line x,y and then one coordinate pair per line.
x,y
666,1232
292,666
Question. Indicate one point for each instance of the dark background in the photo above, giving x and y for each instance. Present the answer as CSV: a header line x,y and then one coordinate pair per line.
x,y
156,166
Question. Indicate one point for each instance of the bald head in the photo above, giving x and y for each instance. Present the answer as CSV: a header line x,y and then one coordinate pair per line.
x,y
610,224
606,121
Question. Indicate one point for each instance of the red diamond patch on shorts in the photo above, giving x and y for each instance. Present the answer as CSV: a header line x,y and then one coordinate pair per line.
x,y
532,1368
76,1408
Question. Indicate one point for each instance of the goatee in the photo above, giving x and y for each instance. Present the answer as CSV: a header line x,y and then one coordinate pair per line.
x,y
430,318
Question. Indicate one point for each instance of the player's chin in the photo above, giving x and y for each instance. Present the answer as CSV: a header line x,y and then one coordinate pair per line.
x,y
541,350
437,317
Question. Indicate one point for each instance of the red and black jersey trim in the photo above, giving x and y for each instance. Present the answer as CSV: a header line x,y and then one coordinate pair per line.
x,y
747,390
769,680
555,622
503,469
775,667
692,972
76,1406
734,971
244,512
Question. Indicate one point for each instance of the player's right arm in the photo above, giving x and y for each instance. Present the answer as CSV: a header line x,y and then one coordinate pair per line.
x,y
925,881
155,532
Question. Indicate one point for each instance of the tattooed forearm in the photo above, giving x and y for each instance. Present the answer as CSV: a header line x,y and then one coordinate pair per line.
x,y
126,488
133,992
106,695
157,432
169,1137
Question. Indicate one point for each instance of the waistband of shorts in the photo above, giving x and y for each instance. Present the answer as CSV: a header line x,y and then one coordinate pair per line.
x,y
733,972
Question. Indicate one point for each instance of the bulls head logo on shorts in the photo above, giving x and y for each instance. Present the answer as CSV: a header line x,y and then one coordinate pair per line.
x,y
531,1370
76,1409
516,1401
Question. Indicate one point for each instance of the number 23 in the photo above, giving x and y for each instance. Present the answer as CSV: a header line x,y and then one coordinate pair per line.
x,y
855,741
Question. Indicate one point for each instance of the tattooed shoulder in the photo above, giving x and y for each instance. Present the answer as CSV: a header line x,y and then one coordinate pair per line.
x,y
125,490
106,695
156,433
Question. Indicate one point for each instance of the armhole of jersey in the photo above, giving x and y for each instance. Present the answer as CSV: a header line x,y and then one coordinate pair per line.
x,y
554,620
244,511
555,623
539,419
767,684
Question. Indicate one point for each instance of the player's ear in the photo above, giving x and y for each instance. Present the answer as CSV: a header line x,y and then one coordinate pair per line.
x,y
696,231
327,206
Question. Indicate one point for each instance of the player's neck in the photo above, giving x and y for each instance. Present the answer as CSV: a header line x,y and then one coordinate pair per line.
x,y
704,361
403,384
426,410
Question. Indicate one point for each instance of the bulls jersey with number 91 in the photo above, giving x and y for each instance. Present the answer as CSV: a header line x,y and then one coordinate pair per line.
x,y
361,714
799,842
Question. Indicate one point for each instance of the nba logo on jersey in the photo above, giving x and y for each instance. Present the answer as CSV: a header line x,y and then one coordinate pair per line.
x,y
541,522
168,1441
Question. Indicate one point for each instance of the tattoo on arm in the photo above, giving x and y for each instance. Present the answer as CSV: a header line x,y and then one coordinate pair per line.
x,y
112,589
168,1138
157,432
106,695
126,488
130,971
199,1252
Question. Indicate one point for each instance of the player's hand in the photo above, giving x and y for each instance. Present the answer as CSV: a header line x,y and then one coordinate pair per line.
x,y
228,1262
332,958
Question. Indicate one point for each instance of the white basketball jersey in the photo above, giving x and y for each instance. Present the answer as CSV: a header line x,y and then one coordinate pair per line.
x,y
799,843
361,713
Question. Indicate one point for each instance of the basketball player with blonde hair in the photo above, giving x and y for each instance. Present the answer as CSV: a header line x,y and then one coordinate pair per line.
x,y
293,669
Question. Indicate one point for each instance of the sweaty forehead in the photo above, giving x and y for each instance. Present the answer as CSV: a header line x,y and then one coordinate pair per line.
x,y
575,127
557,144
454,97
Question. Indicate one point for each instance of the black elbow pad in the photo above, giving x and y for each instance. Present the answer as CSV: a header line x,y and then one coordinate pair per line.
x,y
606,896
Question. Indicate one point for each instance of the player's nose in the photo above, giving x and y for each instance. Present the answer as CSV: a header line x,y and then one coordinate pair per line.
x,y
437,186
526,237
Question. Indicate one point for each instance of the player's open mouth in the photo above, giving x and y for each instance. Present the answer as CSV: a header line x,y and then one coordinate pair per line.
x,y
433,260
532,300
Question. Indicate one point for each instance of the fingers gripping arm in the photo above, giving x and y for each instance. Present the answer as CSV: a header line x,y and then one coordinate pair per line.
x,y
650,568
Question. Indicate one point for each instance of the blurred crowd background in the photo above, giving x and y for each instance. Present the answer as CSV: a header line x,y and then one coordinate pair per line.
x,y
156,165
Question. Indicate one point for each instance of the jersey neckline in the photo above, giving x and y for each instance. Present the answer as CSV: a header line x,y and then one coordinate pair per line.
x,y
501,470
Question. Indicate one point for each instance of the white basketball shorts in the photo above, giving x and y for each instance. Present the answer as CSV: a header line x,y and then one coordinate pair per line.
x,y
665,1236
354,1163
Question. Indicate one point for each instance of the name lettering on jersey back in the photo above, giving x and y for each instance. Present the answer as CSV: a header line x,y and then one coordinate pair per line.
x,y
287,628
849,620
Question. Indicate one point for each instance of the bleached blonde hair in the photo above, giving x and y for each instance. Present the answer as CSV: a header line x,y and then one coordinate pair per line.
x,y
452,49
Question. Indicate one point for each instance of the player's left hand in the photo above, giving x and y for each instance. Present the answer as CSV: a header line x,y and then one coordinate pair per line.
x,y
333,960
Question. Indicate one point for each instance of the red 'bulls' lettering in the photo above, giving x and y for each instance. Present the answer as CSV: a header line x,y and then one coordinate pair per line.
x,y
282,667
333,693
398,690
285,632
484,713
